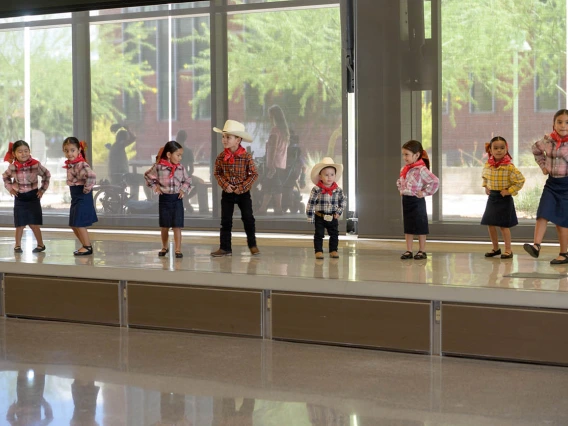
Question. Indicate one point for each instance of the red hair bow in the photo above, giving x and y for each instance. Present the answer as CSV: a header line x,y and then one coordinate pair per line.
x,y
9,157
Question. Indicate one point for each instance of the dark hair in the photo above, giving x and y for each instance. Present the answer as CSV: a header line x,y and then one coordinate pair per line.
x,y
121,135
279,120
18,144
170,147
72,140
497,138
416,148
559,113
181,136
328,167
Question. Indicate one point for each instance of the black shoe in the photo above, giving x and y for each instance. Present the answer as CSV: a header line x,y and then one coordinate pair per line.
x,y
560,262
406,255
18,249
39,249
532,249
493,253
507,255
420,255
179,254
163,252
87,252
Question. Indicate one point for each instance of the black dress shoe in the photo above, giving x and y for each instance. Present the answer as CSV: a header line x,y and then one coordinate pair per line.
x,y
87,252
532,249
39,249
560,262
493,253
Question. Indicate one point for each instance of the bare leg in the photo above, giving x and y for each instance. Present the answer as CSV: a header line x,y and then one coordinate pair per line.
x,y
563,240
277,203
177,239
409,240
494,237
37,234
422,243
540,230
83,236
506,232
19,233
165,235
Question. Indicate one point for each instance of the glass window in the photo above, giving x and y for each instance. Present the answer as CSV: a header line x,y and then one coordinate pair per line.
x,y
281,66
518,72
38,107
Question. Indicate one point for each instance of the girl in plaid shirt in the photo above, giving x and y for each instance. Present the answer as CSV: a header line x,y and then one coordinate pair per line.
x,y
21,181
416,181
81,179
551,154
501,180
169,178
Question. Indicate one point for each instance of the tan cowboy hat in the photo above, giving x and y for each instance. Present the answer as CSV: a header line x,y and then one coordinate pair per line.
x,y
326,162
233,127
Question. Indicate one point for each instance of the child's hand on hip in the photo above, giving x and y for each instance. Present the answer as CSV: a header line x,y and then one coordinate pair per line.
x,y
39,194
419,194
505,192
335,216
14,192
487,191
158,190
181,194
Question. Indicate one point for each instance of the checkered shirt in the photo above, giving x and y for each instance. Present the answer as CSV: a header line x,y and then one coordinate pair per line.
x,y
553,161
241,174
159,175
328,204
418,179
25,179
81,174
506,176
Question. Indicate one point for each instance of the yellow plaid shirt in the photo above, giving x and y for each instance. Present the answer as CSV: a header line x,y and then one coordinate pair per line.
x,y
503,177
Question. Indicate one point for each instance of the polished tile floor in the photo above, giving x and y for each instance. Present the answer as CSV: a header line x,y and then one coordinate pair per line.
x,y
69,374
449,263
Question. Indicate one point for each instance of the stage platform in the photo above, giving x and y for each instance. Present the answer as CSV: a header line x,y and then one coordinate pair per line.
x,y
457,302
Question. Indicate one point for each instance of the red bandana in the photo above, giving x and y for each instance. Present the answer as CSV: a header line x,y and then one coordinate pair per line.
x,y
9,157
406,168
230,156
172,166
68,163
28,163
327,189
505,160
559,139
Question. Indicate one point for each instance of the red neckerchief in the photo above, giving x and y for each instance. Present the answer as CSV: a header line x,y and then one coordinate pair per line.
x,y
28,163
230,156
505,160
406,168
327,189
75,161
172,166
559,139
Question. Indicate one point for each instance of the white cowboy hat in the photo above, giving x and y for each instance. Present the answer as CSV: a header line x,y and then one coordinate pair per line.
x,y
326,162
233,127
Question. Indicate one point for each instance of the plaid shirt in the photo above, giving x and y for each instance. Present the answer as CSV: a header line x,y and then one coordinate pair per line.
x,y
160,175
241,174
328,204
553,161
81,174
25,179
506,176
418,179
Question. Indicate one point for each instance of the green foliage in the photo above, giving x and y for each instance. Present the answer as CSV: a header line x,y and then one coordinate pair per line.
x,y
481,39
527,201
279,52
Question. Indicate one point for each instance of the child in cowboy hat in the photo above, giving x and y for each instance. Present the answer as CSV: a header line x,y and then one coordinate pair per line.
x,y
235,172
325,205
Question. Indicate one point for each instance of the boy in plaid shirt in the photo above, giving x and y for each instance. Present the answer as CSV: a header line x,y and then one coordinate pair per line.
x,y
235,172
326,205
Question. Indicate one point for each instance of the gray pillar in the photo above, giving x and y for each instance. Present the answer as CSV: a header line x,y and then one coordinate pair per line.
x,y
82,120
383,110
